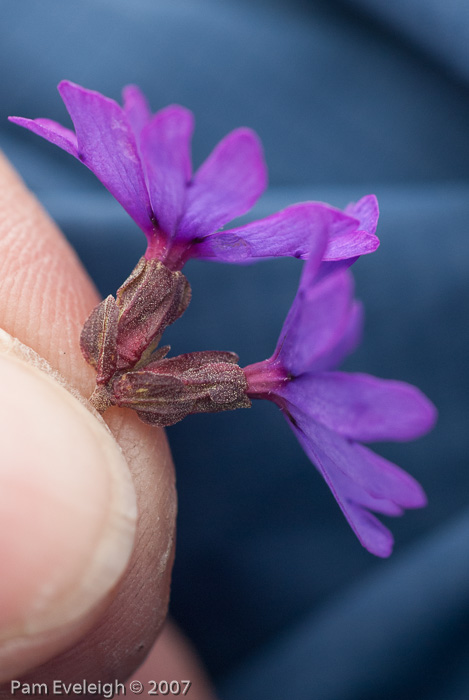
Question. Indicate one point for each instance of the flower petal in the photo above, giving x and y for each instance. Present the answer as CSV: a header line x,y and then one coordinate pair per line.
x,y
227,185
349,245
51,131
376,475
165,149
348,241
366,210
362,407
316,322
360,481
136,109
106,145
345,343
289,232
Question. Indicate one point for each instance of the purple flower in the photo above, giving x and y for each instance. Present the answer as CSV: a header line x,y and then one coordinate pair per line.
x,y
144,161
331,412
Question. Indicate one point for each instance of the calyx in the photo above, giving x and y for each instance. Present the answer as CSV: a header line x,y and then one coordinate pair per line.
x,y
120,339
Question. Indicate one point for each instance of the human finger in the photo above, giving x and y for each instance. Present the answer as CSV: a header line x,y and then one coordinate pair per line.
x,y
44,298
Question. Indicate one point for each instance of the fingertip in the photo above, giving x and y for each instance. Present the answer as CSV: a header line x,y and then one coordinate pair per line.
x,y
45,295
67,516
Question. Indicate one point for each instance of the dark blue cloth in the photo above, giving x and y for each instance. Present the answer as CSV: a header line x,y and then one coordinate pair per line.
x,y
349,97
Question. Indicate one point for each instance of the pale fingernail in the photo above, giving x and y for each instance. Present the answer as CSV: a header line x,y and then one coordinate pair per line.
x,y
67,504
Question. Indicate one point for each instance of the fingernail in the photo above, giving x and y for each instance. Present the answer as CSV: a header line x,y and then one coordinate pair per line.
x,y
67,503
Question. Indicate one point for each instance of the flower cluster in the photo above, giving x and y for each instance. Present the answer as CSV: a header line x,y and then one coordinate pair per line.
x,y
144,161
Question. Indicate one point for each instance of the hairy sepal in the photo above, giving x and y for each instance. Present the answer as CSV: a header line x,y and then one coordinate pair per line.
x,y
166,391
98,340
151,298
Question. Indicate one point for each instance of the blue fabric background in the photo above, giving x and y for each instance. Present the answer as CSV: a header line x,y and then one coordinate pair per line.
x,y
348,97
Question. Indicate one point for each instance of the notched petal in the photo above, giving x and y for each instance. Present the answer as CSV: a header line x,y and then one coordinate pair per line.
x,y
136,108
366,210
165,144
106,145
225,186
51,131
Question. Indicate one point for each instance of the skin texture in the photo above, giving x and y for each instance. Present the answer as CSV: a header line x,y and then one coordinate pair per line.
x,y
89,579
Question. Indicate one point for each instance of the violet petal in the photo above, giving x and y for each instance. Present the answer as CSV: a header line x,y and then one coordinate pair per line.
x,y
351,245
373,473
165,150
316,322
345,343
349,240
226,185
106,145
51,131
366,210
362,407
360,480
136,109
289,232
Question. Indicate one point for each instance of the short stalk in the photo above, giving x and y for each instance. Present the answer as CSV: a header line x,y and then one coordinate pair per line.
x,y
264,378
